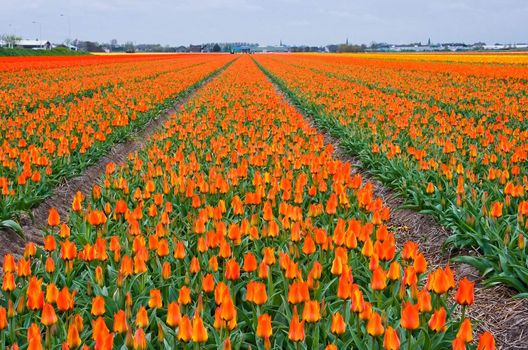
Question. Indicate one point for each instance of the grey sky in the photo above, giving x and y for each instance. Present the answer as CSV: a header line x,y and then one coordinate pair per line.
x,y
313,22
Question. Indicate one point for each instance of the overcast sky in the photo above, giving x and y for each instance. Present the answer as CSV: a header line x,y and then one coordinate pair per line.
x,y
295,22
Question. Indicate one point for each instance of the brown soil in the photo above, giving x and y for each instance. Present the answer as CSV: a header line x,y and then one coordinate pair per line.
x,y
62,195
495,310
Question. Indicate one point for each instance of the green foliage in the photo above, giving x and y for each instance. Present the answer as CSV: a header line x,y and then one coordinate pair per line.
x,y
58,51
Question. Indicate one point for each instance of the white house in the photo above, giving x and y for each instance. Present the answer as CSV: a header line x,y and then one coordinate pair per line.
x,y
34,44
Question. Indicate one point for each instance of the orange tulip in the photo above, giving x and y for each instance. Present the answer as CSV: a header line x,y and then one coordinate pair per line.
x,y
458,344
232,270
311,311
379,279
264,329
424,301
53,217
338,325
496,210
173,315
98,306
250,262
9,263
391,341
120,322
34,338
155,300
375,327
48,316
185,329
437,322
465,292
296,331
8,284
3,318
199,333
65,300
208,283
140,340
73,340
409,316
34,294
486,342
142,319
465,332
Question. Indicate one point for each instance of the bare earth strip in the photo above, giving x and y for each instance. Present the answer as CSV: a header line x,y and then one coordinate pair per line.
x,y
495,309
62,195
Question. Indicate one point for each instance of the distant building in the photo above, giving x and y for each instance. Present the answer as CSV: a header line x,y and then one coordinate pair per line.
x,y
34,44
241,49
270,48
195,48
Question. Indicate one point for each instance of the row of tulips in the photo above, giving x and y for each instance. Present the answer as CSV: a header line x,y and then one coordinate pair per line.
x,y
459,88
233,228
502,58
466,168
60,140
29,90
32,63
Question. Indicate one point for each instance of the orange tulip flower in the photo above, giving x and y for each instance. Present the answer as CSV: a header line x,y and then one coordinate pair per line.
x,y
48,316
409,316
296,331
338,325
53,217
98,306
391,341
437,322
465,292
173,315
264,329
140,340
375,327
185,329
155,300
199,332
311,311
465,332
486,342
34,294
142,319
379,279
73,340
3,318
232,271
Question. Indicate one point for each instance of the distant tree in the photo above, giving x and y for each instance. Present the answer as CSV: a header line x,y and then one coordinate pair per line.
x,y
216,48
332,48
129,46
10,40
113,44
351,48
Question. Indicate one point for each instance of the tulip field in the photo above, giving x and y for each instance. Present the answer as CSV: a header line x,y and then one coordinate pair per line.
x,y
237,226
451,137
59,120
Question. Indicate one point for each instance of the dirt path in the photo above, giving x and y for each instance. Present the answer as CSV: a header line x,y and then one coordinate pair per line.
x,y
62,195
495,309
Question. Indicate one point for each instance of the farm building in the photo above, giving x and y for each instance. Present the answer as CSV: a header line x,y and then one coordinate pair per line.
x,y
34,44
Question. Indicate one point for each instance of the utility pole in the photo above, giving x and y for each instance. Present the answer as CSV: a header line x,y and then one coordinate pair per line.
x,y
40,29
69,25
